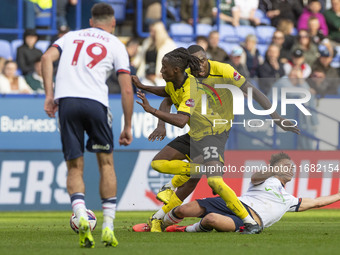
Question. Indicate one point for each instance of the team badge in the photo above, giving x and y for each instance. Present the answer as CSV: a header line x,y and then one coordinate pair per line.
x,y
237,76
190,102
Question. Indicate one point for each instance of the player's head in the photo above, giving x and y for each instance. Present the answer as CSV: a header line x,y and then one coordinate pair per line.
x,y
200,53
283,165
103,17
175,62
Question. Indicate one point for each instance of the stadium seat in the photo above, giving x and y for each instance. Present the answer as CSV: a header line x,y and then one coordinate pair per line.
x,y
42,45
264,33
181,32
14,45
336,60
43,19
120,9
203,29
263,18
228,34
243,31
5,49
181,44
227,47
262,49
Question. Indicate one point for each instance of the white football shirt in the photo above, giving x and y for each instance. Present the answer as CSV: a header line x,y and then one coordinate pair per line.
x,y
87,57
270,200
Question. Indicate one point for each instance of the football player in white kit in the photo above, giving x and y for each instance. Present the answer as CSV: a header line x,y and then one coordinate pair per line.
x,y
81,96
266,201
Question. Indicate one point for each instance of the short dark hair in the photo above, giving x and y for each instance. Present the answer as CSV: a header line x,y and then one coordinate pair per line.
x,y
195,48
102,11
275,158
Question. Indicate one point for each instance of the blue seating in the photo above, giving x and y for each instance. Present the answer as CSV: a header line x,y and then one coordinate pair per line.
x,y
227,47
181,44
264,33
5,49
228,34
262,49
15,44
175,12
243,31
120,9
262,16
203,29
42,45
181,32
43,19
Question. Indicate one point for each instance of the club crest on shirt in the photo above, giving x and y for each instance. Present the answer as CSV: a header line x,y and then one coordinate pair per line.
x,y
237,76
190,102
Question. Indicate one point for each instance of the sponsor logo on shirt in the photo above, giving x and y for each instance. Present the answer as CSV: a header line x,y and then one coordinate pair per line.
x,y
237,76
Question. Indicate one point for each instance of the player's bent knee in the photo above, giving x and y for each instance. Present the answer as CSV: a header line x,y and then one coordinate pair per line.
x,y
209,220
180,211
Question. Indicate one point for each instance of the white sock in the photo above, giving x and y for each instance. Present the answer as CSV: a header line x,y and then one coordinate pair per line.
x,y
193,228
159,214
78,205
250,220
170,218
109,212
169,184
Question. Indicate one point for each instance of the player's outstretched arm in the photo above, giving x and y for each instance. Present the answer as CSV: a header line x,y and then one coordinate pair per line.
x,y
310,203
266,104
160,132
159,91
51,55
178,120
127,104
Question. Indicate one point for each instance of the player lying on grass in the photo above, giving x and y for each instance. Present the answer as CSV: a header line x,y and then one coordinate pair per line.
x,y
211,146
266,200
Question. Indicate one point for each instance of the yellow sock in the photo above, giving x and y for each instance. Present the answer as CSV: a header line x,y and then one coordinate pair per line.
x,y
179,180
177,167
174,201
228,195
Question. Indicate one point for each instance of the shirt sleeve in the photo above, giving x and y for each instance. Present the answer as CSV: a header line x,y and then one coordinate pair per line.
x,y
121,60
188,103
59,44
234,77
295,204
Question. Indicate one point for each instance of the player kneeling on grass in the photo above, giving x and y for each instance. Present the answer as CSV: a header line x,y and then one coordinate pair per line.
x,y
266,201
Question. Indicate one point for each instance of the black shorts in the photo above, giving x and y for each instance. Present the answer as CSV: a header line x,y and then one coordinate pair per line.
x,y
211,147
79,115
218,205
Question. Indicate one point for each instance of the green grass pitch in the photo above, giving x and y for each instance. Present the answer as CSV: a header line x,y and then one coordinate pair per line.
x,y
312,232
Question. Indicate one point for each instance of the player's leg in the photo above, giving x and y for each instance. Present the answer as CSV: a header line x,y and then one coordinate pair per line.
x,y
213,155
218,222
99,129
71,120
108,194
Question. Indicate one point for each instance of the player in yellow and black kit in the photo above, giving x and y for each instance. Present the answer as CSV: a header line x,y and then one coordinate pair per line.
x,y
205,140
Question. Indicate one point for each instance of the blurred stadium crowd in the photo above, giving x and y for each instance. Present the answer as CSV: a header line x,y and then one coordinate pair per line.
x,y
272,42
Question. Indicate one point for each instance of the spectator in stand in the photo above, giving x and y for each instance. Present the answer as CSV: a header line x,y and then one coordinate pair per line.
x,y
216,53
306,123
205,11
251,57
153,50
287,28
35,80
229,14
203,42
314,31
247,10
33,8
2,64
235,61
27,53
312,10
310,50
333,21
279,40
324,63
150,78
271,70
277,10
10,83
298,62
62,6
322,85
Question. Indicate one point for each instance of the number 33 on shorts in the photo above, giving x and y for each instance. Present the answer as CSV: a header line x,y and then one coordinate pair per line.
x,y
210,152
